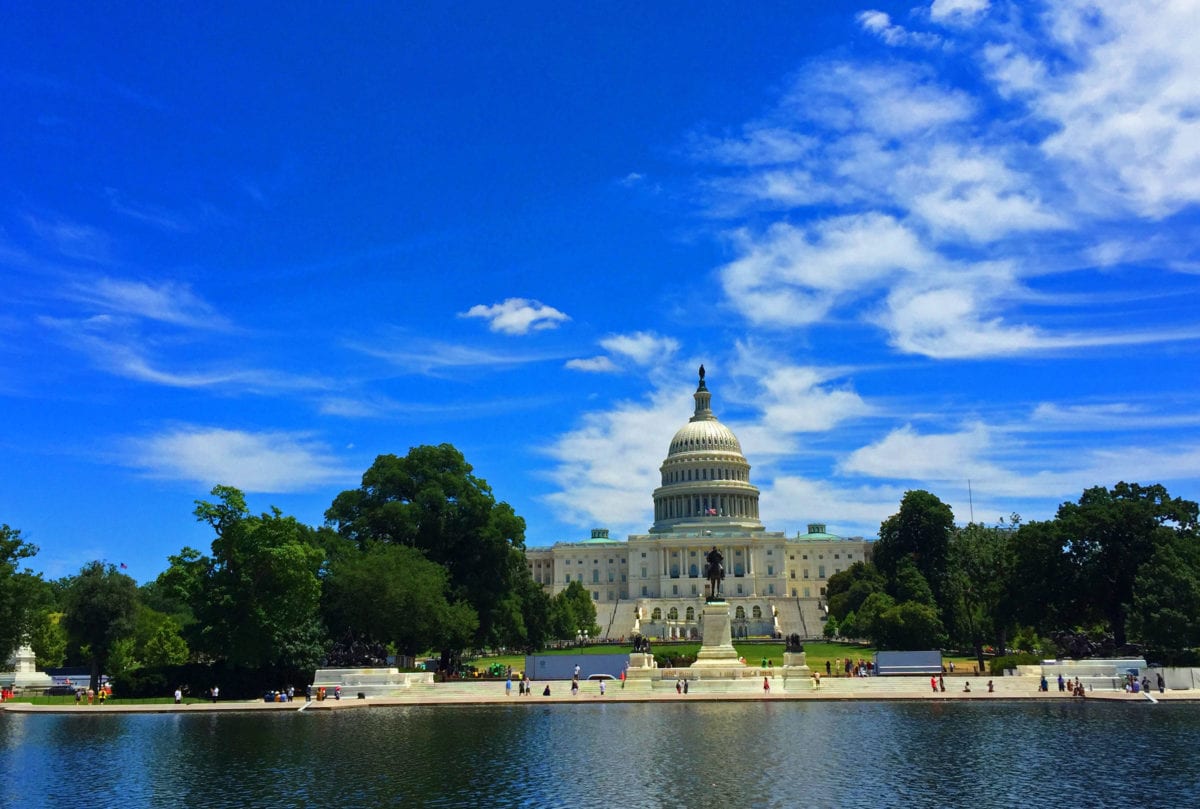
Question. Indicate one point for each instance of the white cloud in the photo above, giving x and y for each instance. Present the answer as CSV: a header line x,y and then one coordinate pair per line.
x,y
881,25
845,510
792,398
253,462
957,12
951,321
606,468
601,365
760,145
517,316
904,454
1122,95
793,276
643,347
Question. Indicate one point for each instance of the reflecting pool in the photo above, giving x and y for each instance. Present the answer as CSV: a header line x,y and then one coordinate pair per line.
x,y
770,754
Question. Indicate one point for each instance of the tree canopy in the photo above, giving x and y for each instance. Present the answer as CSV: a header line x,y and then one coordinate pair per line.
x,y
101,605
431,501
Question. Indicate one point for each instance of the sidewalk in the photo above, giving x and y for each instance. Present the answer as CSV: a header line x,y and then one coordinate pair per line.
x,y
492,693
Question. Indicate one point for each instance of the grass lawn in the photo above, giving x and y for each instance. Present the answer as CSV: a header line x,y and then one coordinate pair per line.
x,y
816,653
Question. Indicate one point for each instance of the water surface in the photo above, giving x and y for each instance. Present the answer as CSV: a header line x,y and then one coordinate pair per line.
x,y
757,754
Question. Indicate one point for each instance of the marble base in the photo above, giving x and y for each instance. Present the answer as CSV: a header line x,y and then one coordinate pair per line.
x,y
795,665
716,647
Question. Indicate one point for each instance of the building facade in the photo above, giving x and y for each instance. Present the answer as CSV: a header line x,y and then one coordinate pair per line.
x,y
654,583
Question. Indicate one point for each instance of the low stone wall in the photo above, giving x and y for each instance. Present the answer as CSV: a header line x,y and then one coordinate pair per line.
x,y
373,682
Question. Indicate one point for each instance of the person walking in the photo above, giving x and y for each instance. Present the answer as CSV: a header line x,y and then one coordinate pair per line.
x,y
1162,684
766,685
508,686
933,684
178,696
601,688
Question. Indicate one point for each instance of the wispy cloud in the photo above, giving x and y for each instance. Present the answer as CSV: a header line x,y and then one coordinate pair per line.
x,y
71,239
517,316
254,462
433,357
908,202
113,345
152,215
169,302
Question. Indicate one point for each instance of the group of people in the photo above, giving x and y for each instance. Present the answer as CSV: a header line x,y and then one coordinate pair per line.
x,y
91,695
1135,686
524,687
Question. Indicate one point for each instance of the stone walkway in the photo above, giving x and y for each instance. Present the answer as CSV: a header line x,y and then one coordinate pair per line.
x,y
492,693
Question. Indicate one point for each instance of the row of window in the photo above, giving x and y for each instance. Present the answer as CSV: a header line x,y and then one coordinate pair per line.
x,y
690,613
688,475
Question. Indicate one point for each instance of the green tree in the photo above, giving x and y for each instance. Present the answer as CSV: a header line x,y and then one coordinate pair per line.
x,y
430,500
48,638
258,597
101,605
921,531
831,628
908,626
18,590
1042,587
573,611
1110,534
1166,598
393,594
846,591
867,618
981,563
909,585
158,640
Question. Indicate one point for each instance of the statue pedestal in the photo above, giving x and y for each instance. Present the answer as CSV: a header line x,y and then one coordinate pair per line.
x,y
795,665
716,647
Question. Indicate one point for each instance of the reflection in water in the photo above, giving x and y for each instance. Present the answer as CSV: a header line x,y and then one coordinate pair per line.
x,y
634,755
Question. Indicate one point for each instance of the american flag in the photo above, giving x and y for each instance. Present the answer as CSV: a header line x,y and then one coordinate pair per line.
x,y
712,512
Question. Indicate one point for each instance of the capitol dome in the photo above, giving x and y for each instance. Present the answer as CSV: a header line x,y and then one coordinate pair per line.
x,y
705,477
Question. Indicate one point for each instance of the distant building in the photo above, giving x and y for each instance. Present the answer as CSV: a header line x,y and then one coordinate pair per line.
x,y
654,583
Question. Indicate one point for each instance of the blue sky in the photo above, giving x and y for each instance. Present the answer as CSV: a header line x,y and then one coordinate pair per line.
x,y
914,245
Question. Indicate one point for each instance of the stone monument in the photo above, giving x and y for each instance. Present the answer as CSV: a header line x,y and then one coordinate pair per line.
x,y
716,653
25,676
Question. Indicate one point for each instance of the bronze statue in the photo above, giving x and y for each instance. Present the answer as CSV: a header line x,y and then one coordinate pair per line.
x,y
702,372
714,571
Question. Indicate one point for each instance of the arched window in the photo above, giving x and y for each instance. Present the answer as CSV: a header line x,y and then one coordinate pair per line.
x,y
740,614
656,614
756,612
693,571
673,614
690,614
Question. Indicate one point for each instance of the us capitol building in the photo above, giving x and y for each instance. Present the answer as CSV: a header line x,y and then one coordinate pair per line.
x,y
654,583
